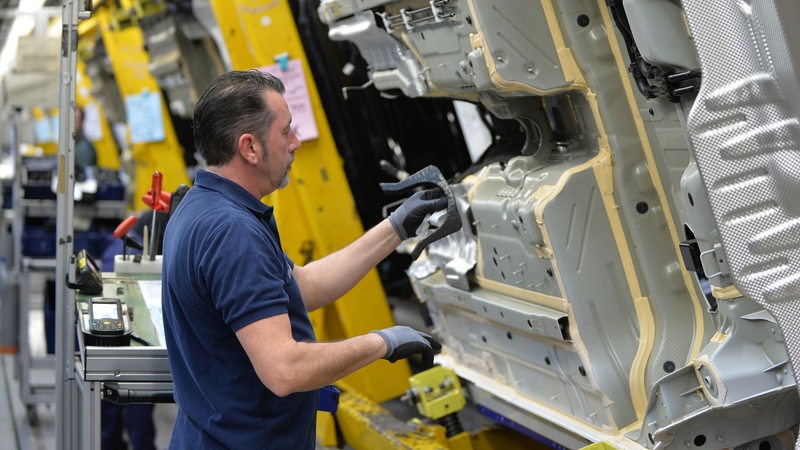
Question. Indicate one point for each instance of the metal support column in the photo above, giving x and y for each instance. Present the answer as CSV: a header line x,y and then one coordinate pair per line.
x,y
65,304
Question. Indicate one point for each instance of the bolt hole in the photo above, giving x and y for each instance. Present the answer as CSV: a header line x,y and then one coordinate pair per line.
x,y
642,207
669,366
582,371
502,315
550,272
469,20
508,335
764,445
699,440
483,338
583,20
547,360
691,200
652,113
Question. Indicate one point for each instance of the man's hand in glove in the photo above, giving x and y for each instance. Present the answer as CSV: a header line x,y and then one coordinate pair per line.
x,y
409,216
402,342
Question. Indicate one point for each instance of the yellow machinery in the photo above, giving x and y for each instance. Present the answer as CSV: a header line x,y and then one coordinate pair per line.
x,y
106,148
122,40
44,119
437,395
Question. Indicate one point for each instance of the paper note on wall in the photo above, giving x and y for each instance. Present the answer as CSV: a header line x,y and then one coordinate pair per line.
x,y
297,97
43,128
144,117
92,125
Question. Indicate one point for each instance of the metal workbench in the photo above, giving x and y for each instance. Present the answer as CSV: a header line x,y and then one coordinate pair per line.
x,y
122,374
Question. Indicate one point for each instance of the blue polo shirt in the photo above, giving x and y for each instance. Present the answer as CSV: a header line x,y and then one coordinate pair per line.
x,y
224,268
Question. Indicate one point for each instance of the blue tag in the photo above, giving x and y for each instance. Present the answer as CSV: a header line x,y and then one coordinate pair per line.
x,y
328,399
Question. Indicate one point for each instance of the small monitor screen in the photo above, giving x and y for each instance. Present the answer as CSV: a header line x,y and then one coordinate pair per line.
x,y
91,264
105,311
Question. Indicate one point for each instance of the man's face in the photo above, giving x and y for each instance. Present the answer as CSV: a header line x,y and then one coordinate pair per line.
x,y
280,143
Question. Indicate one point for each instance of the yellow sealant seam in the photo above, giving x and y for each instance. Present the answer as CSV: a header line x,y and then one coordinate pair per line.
x,y
549,301
644,313
602,170
560,418
654,175
569,66
725,293
565,58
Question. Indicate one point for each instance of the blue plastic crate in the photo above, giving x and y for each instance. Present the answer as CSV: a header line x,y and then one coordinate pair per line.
x,y
110,191
93,241
38,242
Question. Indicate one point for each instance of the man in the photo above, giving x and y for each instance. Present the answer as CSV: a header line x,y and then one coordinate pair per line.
x,y
85,153
242,350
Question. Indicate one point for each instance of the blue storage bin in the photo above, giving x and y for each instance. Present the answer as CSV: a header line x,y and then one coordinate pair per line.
x,y
93,241
38,242
38,190
110,191
8,202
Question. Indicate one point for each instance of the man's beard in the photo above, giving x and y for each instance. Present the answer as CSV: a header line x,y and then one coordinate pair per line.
x,y
284,182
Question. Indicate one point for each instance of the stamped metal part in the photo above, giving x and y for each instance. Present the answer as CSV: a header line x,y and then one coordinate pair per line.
x,y
596,291
746,136
430,176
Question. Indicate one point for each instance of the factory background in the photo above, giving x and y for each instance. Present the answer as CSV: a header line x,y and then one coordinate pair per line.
x,y
623,270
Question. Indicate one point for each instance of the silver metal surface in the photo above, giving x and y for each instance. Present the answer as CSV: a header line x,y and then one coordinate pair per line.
x,y
745,133
600,302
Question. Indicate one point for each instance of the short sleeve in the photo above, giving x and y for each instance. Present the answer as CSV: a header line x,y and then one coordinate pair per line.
x,y
246,273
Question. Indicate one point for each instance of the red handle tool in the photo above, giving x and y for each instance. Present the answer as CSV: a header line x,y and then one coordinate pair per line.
x,y
124,227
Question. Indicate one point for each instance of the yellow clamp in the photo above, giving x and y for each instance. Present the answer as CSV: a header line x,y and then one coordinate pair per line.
x,y
436,392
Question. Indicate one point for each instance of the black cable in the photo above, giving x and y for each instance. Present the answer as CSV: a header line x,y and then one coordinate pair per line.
x,y
638,66
141,340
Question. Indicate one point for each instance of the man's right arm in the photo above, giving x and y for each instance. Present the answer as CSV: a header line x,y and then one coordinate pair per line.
x,y
286,366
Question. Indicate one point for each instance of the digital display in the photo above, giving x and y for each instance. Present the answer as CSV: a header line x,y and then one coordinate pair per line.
x,y
105,311
91,264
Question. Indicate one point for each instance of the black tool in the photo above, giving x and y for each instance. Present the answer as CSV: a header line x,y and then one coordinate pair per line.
x,y
426,177
121,232
88,279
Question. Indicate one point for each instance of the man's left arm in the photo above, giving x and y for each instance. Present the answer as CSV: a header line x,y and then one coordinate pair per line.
x,y
325,280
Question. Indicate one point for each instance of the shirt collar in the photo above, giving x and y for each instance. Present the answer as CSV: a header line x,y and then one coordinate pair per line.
x,y
232,191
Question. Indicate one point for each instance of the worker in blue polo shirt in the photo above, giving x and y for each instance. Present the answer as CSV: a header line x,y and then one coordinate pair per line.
x,y
246,366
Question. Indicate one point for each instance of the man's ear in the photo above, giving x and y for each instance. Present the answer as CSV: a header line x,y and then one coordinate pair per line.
x,y
248,148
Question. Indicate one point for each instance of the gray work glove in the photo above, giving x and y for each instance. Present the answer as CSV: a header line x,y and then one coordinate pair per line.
x,y
409,216
402,342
